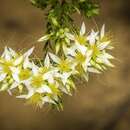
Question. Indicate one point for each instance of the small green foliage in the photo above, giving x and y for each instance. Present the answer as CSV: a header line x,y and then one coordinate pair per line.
x,y
59,18
89,8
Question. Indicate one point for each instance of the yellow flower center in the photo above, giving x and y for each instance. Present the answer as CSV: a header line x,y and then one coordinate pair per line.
x,y
81,40
64,65
96,51
80,57
6,66
54,89
24,74
36,99
43,70
37,81
8,63
6,69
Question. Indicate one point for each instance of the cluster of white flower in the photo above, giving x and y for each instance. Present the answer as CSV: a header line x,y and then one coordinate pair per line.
x,y
46,82
38,84
89,51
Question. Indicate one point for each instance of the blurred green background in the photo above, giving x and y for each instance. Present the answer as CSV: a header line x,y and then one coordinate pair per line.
x,y
101,104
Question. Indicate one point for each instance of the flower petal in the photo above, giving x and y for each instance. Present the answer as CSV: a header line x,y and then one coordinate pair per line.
x,y
83,29
102,31
13,86
18,61
48,100
103,45
6,54
47,61
27,63
81,48
35,69
70,36
44,89
16,77
2,76
54,58
29,52
92,37
44,38
12,52
22,96
93,70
